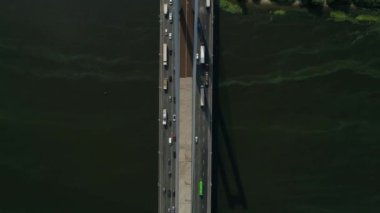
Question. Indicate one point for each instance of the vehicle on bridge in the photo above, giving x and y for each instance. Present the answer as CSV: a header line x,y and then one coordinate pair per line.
x,y
202,58
202,96
166,9
164,117
208,4
170,141
165,85
170,17
200,188
206,79
165,54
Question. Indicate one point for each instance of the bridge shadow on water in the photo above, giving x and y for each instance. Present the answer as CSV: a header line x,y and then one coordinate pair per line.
x,y
243,5
226,176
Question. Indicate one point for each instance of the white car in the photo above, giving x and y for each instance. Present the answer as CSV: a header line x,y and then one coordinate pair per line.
x,y
197,56
164,117
170,141
196,139
170,2
170,36
166,31
173,117
170,17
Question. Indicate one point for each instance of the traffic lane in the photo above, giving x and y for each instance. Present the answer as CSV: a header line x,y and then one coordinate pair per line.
x,y
170,75
205,23
170,72
202,156
204,159
205,20
203,145
166,130
166,181
171,159
196,161
201,135
163,136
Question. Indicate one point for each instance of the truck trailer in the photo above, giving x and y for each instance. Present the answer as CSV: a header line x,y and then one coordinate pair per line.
x,y
202,100
208,4
165,54
202,54
166,9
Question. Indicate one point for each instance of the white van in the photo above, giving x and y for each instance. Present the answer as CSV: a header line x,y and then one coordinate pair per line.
x,y
170,17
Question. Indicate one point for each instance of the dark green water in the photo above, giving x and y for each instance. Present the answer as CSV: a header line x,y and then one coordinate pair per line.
x,y
78,103
298,105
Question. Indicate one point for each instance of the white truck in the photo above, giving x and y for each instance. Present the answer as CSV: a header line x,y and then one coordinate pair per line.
x,y
202,100
164,117
202,55
166,9
165,54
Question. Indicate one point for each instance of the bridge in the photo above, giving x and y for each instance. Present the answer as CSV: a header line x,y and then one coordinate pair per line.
x,y
185,106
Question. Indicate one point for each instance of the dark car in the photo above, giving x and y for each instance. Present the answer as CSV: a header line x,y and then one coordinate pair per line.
x,y
206,66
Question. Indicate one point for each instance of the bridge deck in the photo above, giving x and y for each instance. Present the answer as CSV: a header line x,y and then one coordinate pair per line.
x,y
185,107
185,151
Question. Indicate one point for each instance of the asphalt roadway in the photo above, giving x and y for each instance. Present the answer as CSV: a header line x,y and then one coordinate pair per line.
x,y
188,44
166,153
202,150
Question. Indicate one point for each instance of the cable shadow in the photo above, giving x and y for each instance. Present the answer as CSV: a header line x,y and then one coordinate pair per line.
x,y
234,183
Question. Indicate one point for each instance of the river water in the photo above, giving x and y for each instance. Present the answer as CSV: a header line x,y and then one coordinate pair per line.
x,y
297,114
78,106
298,119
